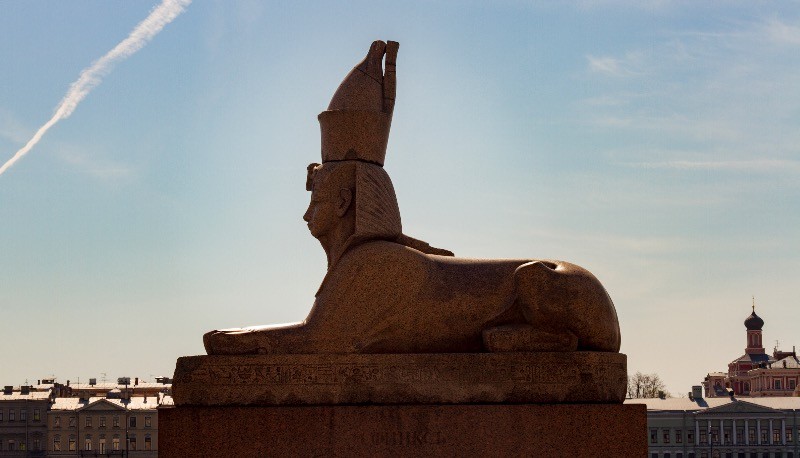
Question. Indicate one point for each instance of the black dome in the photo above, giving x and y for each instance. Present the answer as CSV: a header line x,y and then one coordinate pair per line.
x,y
753,322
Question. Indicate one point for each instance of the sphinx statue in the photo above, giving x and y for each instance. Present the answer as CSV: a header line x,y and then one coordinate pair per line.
x,y
386,292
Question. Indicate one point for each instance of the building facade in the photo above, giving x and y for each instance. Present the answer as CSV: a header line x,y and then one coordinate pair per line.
x,y
696,427
23,422
64,420
99,426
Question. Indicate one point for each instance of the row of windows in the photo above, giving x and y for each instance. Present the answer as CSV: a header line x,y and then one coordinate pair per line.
x,y
101,444
668,435
13,444
23,415
719,454
101,423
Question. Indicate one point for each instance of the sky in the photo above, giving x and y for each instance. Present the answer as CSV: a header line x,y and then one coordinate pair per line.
x,y
654,143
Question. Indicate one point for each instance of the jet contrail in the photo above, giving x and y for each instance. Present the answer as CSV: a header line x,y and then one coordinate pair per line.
x,y
91,76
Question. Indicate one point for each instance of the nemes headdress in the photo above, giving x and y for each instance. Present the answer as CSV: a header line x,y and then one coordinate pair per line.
x,y
356,124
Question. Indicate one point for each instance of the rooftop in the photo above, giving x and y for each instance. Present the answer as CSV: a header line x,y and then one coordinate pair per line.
x,y
699,404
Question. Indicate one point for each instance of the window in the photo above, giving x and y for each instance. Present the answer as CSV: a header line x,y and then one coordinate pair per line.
x,y
12,445
1,415
690,436
715,435
703,437
792,384
37,444
788,435
726,436
57,443
777,384
115,421
704,454
57,421
654,455
87,443
148,444
740,436
71,422
11,415
653,436
147,422
102,422
102,446
776,436
666,436
72,444
678,436
667,455
132,443
751,436
88,422
133,422
115,443
23,445
36,416
23,415
764,436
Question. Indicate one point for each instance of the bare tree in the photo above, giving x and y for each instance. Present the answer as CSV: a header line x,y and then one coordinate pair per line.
x,y
646,386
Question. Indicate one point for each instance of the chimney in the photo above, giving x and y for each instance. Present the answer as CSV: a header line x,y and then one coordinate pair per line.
x,y
25,389
697,392
136,381
8,389
92,381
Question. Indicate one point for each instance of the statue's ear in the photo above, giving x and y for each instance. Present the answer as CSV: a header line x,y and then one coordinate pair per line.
x,y
344,201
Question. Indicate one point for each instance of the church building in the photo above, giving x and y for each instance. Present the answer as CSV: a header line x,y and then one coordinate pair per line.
x,y
756,373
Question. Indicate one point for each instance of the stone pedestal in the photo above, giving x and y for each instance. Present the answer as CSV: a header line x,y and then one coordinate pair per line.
x,y
418,378
541,430
457,404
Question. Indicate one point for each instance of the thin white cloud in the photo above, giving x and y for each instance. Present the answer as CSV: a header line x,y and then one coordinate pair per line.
x,y
93,164
12,129
93,75
762,165
779,32
608,66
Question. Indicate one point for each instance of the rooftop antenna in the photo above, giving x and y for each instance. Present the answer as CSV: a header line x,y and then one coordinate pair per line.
x,y
104,377
754,304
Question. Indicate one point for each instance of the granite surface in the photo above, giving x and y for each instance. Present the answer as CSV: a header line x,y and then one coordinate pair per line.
x,y
563,430
387,292
548,377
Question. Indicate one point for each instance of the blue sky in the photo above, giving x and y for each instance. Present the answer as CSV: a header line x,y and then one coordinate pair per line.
x,y
654,143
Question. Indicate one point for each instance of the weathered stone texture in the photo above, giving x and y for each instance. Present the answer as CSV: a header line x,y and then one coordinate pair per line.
x,y
400,379
561,430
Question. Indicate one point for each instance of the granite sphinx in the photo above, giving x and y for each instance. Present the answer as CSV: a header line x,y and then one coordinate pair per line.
x,y
388,293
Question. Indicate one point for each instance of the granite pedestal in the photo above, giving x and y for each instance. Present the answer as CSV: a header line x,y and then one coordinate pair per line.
x,y
532,430
480,404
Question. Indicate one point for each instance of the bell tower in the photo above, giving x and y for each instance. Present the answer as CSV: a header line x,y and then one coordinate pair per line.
x,y
754,324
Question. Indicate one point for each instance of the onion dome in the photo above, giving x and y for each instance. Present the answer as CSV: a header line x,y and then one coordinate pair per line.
x,y
754,322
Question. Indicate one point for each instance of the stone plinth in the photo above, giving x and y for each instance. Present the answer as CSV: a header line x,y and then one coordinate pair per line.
x,y
544,430
453,378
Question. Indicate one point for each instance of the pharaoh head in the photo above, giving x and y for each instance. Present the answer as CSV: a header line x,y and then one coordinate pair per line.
x,y
352,197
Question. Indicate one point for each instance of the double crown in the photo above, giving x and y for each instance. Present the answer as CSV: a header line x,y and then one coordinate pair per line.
x,y
357,122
